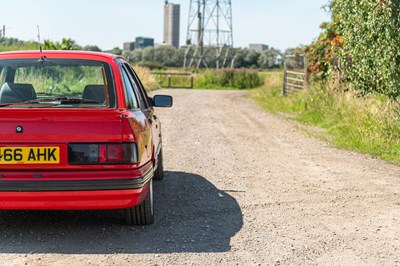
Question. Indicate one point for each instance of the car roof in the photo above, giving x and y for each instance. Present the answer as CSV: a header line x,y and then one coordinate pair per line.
x,y
73,54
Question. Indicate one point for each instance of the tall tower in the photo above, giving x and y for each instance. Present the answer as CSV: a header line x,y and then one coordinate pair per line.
x,y
171,24
209,27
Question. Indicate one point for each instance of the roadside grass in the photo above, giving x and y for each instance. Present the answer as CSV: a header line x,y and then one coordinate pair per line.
x,y
369,124
229,79
148,80
211,79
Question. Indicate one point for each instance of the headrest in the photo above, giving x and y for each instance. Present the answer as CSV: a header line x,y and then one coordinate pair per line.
x,y
16,93
94,92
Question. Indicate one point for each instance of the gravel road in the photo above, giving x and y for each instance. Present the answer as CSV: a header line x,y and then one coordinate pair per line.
x,y
242,187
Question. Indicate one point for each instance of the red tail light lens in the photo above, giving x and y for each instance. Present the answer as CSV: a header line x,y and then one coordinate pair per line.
x,y
103,153
114,153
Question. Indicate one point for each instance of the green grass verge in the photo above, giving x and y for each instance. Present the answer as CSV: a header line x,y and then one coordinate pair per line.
x,y
370,125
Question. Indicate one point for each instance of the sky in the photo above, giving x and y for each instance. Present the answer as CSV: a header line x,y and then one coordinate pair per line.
x,y
109,23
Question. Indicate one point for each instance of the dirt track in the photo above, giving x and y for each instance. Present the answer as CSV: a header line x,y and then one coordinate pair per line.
x,y
242,187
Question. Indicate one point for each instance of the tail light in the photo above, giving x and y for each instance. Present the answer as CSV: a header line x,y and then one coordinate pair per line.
x,y
103,153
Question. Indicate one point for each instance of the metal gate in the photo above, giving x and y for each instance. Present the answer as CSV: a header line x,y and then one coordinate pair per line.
x,y
295,73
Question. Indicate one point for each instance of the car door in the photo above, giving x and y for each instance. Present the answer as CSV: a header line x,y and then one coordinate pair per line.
x,y
150,113
140,110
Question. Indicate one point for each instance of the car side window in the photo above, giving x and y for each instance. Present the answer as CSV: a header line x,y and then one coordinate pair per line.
x,y
139,88
131,99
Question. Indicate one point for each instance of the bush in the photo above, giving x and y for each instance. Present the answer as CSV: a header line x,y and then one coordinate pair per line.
x,y
322,53
371,36
229,78
151,65
12,44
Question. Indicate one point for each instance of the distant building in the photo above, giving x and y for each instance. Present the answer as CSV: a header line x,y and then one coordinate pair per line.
x,y
129,46
171,24
142,42
259,47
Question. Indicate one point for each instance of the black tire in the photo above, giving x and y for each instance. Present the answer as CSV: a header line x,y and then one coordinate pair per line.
x,y
142,214
159,173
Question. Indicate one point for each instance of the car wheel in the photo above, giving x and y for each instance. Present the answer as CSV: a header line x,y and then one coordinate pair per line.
x,y
159,173
142,214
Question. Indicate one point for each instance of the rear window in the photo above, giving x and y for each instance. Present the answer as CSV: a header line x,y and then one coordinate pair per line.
x,y
56,83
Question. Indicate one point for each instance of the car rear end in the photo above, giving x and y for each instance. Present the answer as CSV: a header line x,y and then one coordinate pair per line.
x,y
64,143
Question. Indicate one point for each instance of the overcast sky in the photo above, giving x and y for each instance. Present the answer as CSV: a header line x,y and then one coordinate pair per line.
x,y
109,23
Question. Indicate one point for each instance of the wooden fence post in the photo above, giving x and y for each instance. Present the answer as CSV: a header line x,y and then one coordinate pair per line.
x,y
284,76
305,71
169,80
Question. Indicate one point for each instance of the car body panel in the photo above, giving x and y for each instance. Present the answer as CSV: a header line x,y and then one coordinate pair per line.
x,y
73,200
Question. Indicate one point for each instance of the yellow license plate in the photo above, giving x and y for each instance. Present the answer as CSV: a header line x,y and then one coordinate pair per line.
x,y
29,155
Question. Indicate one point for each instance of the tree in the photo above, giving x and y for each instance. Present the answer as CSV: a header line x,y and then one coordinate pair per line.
x,y
93,48
251,58
65,44
169,56
116,51
269,59
371,36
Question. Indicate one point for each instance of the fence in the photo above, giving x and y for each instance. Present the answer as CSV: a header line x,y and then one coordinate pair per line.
x,y
174,80
295,73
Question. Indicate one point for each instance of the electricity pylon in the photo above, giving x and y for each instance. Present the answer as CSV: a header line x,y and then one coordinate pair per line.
x,y
210,26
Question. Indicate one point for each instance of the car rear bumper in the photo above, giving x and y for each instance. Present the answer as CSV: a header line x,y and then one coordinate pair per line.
x,y
72,200
73,194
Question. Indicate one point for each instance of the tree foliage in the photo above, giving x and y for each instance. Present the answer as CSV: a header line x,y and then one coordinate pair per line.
x,y
168,56
65,44
371,31
364,36
13,44
322,54
93,48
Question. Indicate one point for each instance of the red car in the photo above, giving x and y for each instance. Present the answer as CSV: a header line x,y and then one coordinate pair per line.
x,y
78,132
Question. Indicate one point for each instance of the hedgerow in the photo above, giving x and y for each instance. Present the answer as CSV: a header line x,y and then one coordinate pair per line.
x,y
363,43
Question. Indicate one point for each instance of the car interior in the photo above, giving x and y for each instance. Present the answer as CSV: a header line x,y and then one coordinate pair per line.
x,y
16,92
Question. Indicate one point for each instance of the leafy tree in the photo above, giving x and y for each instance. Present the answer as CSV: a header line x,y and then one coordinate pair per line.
x,y
12,44
137,56
251,58
371,36
269,59
148,54
116,51
322,54
65,44
11,41
93,48
169,56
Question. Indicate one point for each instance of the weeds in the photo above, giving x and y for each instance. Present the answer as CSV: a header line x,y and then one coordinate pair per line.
x,y
369,124
228,78
148,80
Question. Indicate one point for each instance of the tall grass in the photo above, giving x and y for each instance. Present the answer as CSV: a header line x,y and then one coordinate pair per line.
x,y
228,78
177,81
148,80
368,124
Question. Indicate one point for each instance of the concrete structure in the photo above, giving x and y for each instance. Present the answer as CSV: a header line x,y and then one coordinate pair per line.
x,y
142,42
171,24
259,47
129,46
